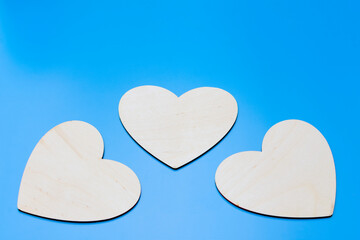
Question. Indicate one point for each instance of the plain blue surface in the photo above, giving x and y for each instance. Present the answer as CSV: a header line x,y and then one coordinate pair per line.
x,y
63,60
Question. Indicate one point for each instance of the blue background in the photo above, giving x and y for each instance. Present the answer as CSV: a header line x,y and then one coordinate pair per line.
x,y
69,60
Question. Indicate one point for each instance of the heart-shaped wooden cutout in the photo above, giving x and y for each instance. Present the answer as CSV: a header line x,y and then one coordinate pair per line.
x,y
67,179
176,130
293,176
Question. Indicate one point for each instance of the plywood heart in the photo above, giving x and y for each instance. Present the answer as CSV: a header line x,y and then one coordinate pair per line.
x,y
67,179
293,176
176,130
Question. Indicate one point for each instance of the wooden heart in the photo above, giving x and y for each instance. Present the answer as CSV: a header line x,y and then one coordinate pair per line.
x,y
176,130
67,179
293,176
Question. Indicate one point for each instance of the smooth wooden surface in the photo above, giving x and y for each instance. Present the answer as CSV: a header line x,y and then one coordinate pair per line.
x,y
176,130
67,179
293,176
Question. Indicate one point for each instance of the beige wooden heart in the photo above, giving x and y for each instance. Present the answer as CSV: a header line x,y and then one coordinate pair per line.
x,y
293,176
67,179
176,130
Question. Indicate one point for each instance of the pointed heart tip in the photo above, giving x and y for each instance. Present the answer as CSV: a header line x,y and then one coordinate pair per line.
x,y
174,167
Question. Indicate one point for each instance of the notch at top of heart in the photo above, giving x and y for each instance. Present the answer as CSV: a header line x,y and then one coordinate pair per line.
x,y
177,130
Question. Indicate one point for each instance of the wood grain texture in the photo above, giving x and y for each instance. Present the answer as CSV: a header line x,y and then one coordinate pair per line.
x,y
176,130
67,179
293,176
